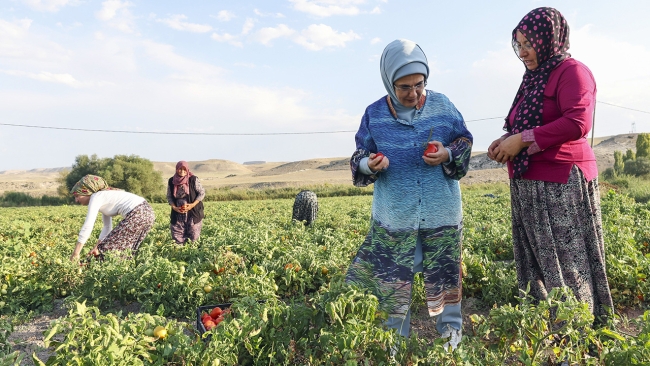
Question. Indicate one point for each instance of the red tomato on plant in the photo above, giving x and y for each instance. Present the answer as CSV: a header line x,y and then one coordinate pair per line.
x,y
431,148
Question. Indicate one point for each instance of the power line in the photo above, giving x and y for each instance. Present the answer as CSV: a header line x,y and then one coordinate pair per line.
x,y
197,133
172,133
242,134
619,106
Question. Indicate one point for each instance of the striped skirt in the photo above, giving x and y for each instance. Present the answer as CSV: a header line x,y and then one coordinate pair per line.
x,y
558,239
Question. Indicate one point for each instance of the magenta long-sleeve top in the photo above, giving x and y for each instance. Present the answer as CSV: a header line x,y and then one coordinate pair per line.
x,y
561,141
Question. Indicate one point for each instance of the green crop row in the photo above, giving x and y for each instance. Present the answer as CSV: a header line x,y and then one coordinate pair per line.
x,y
251,251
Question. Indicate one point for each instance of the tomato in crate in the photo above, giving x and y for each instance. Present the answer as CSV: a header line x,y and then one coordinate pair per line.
x,y
206,319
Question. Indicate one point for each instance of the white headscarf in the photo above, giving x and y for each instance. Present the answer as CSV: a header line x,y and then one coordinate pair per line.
x,y
400,58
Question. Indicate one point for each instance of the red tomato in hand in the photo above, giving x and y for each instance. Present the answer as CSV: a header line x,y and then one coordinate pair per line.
x,y
379,155
431,148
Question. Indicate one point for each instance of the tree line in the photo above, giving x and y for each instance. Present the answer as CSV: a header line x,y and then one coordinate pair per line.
x,y
128,172
137,175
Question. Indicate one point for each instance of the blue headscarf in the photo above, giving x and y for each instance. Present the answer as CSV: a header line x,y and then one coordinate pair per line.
x,y
400,58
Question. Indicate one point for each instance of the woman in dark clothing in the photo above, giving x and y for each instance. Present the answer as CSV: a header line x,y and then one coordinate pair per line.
x,y
185,195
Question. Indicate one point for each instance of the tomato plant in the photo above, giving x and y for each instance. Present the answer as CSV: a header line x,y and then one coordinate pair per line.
x,y
251,251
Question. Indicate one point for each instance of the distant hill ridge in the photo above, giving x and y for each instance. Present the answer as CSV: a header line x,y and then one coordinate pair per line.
x,y
260,168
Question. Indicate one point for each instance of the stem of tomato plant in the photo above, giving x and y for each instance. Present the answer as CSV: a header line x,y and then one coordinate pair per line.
x,y
539,343
428,138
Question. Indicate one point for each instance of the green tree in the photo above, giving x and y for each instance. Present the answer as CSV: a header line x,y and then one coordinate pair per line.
x,y
643,145
619,165
629,155
129,172
638,167
609,174
134,174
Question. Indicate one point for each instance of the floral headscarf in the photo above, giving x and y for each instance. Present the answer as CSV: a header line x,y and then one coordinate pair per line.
x,y
90,184
548,33
177,180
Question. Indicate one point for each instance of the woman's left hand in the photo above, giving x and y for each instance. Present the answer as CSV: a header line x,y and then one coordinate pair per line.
x,y
94,251
509,148
437,158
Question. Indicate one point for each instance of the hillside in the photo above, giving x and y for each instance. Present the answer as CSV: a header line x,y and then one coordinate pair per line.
x,y
216,173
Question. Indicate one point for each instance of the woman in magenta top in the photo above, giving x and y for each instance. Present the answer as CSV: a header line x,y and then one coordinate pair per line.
x,y
556,220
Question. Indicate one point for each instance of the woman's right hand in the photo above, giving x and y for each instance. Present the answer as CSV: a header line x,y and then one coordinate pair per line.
x,y
76,252
177,209
377,163
491,150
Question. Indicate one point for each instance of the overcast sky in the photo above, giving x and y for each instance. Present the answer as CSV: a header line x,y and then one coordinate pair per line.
x,y
280,66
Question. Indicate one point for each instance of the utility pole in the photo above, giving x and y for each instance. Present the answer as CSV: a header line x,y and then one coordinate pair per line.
x,y
593,126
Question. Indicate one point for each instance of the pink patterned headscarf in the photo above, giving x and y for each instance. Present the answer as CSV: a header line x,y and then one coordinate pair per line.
x,y
548,33
177,180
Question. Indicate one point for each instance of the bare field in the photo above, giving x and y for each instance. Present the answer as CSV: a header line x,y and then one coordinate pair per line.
x,y
217,173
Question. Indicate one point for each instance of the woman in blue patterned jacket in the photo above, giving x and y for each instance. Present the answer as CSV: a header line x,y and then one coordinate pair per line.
x,y
416,223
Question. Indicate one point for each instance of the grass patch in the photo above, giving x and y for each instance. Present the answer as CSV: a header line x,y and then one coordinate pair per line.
x,y
637,188
321,190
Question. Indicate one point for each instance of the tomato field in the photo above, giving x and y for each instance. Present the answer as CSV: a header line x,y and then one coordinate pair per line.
x,y
290,305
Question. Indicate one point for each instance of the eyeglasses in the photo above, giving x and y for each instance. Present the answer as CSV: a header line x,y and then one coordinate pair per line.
x,y
407,88
517,47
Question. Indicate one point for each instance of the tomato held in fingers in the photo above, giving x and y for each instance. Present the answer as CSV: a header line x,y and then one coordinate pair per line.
x,y
379,155
431,148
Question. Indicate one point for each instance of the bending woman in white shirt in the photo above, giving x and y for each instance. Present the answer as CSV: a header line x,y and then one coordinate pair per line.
x,y
92,191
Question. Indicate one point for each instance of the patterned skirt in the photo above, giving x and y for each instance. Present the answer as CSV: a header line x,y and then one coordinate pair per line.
x,y
385,261
558,239
185,229
305,207
131,231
